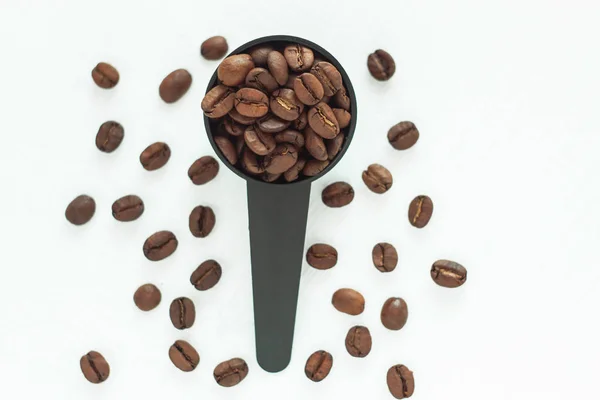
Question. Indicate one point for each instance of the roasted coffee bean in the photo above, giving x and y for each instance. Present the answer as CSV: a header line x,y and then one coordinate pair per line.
x,y
128,208
182,313
175,85
259,142
326,99
240,145
314,167
358,341
293,173
334,146
241,119
290,136
385,257
381,65
232,127
202,221
342,116
394,313
160,245
251,163
338,194
231,372
155,156
278,67
272,124
420,211
329,76
286,105
308,88
218,101
80,210
301,122
322,120
299,58
448,274
400,381
184,356
261,79
315,145
105,75
259,55
214,48
227,149
207,275
233,70
251,102
203,170
377,178
109,136
341,99
348,301
94,367
403,136
291,79
318,365
321,256
281,159
267,177
147,297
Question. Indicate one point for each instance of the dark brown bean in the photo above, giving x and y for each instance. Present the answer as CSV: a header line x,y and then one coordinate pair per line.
x,y
403,136
160,245
105,75
329,76
233,70
240,145
251,163
314,144
175,85
155,156
377,178
394,313
241,119
341,99
322,256
448,274
184,356
308,88
318,365
80,210
231,372
290,136
203,170
207,275
251,102
109,136
147,297
314,167
420,211
214,48
293,173
385,257
359,341
281,159
202,221
286,105
94,366
259,142
334,146
400,381
218,101
381,65
342,116
278,67
128,208
272,124
182,313
338,194
322,120
227,149
348,301
301,122
259,55
261,79
299,58
267,177
291,79
232,127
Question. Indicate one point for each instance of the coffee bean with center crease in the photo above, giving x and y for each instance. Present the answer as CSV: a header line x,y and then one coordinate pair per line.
x,y
233,70
338,194
377,178
341,99
385,257
160,245
403,135
278,67
272,124
128,208
301,122
299,58
281,159
251,163
293,173
155,156
420,211
261,79
321,256
251,102
175,85
342,116
80,210
318,365
448,274
286,105
182,313
147,297
203,170
314,167
227,149
400,381
334,146
290,136
259,142
329,76
207,275
308,88
259,55
231,372
322,120
184,356
202,221
105,75
394,313
381,65
314,144
358,341
218,101
214,48
232,127
348,301
94,366
109,136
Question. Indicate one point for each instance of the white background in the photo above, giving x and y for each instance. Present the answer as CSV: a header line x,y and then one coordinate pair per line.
x,y
505,94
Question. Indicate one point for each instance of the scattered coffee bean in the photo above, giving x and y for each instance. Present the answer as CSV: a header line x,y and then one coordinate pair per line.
x,y
420,211
232,127
259,142
206,275
202,221
203,170
227,149
299,58
231,372
329,76
147,297
272,124
322,120
281,159
400,381
448,274
318,366
80,210
293,173
308,88
315,144
128,208
218,101
358,341
314,167
278,67
109,136
233,70
286,105
341,99
175,85
260,54
342,116
182,313
155,156
348,301
338,194
290,136
394,313
94,367
184,356
105,75
381,65
403,135
385,257
214,48
261,79
334,146
160,245
251,102
321,256
377,178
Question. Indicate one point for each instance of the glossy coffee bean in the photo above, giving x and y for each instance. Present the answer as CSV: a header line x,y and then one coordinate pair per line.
x,y
251,102
293,173
290,136
184,356
341,99
338,194
233,70
231,372
259,55
394,313
214,48
207,275
342,116
94,366
80,210
241,119
218,101
175,85
147,297
385,257
299,58
155,156
109,136
105,75
348,301
281,159
420,211
318,365
278,67
301,122
182,313
251,163
272,124
286,105
381,65
322,120
315,144
308,88
403,135
329,76
160,245
232,127
227,149
321,256
261,79
448,274
128,208
400,381
203,170
259,142
334,146
202,221
359,341
377,178
314,167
